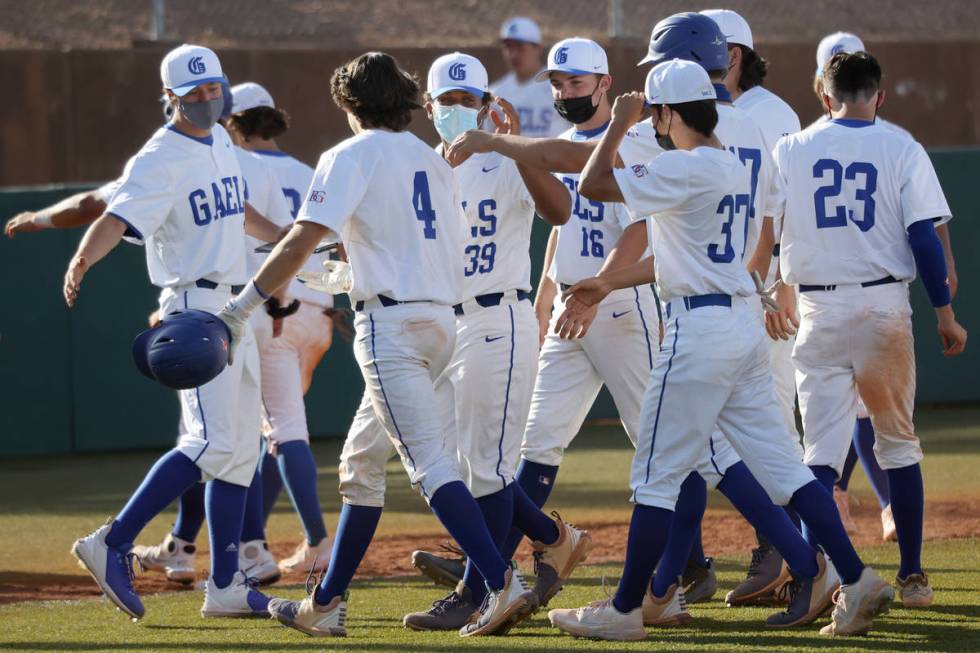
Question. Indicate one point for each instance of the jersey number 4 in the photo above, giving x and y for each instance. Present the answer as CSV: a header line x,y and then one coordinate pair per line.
x,y
864,194
422,202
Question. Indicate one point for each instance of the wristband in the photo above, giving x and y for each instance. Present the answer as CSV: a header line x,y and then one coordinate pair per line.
x,y
42,220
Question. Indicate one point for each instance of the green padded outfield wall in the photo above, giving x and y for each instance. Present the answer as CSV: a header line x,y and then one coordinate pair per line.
x,y
69,383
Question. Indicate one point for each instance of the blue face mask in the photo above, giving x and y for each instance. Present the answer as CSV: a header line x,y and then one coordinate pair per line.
x,y
451,121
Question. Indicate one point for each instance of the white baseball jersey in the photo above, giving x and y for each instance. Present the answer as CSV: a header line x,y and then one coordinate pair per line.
x,y
295,178
396,206
771,114
534,104
185,198
884,123
852,190
499,213
695,228
262,192
739,134
595,227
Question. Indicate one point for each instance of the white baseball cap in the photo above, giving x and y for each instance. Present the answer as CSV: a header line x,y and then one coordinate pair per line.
x,y
188,66
249,95
520,28
457,72
735,28
576,56
677,81
834,43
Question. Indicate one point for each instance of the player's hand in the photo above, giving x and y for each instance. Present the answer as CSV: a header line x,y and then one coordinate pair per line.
x,y
77,268
782,324
574,321
769,304
586,293
474,141
543,313
22,223
510,122
276,328
951,333
153,319
629,108
235,319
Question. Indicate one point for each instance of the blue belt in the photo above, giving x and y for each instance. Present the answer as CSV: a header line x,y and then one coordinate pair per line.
x,y
211,285
804,287
700,301
385,301
492,299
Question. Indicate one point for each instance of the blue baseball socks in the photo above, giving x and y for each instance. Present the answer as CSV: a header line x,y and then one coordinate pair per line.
x,y
355,530
907,498
225,505
298,471
498,512
537,481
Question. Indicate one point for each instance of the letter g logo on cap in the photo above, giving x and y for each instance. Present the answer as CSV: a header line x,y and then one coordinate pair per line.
x,y
561,56
196,65
457,72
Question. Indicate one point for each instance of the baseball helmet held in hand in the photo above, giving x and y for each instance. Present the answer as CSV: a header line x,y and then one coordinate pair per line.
x,y
186,350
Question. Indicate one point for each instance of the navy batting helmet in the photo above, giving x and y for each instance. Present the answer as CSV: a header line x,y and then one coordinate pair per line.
x,y
186,350
689,36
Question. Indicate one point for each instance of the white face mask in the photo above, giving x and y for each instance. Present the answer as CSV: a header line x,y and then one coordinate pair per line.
x,y
451,121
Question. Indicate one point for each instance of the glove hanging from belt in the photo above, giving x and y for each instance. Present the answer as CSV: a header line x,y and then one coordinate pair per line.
x,y
277,311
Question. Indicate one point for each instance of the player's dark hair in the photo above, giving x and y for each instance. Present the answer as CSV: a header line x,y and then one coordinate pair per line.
x,y
700,115
754,68
376,90
265,122
850,77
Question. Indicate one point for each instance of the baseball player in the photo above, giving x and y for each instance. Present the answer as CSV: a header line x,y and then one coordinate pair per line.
x,y
774,118
860,203
520,44
863,438
395,205
721,359
183,194
305,335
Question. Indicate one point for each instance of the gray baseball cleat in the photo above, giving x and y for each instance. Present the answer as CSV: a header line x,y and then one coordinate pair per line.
x,y
808,597
700,583
450,613
766,574
442,569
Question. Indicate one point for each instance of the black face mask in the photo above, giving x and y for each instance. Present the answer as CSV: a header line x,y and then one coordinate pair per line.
x,y
577,110
665,141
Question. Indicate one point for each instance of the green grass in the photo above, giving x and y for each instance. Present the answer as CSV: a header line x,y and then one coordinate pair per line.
x,y
45,503
376,606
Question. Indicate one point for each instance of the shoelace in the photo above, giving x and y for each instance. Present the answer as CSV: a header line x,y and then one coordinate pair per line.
x,y
757,556
441,606
788,592
453,548
128,559
309,577
537,555
840,605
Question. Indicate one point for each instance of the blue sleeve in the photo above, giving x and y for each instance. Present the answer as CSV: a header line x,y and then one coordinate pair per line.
x,y
930,261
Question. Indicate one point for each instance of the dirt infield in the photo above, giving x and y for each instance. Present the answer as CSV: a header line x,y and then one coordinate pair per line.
x,y
725,533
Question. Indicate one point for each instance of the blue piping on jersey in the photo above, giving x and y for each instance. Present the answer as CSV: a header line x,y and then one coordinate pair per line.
x,y
660,402
503,422
206,140
384,395
131,231
589,133
851,122
270,152
722,92
646,331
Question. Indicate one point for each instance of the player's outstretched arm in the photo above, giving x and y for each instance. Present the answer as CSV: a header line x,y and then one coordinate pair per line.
x,y
77,210
551,154
592,291
597,181
544,298
104,234
762,256
261,227
930,261
279,269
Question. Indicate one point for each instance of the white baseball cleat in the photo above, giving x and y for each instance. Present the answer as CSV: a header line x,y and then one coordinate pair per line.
x,y
503,609
914,590
671,610
307,557
112,569
239,599
858,604
257,562
600,620
173,557
308,617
